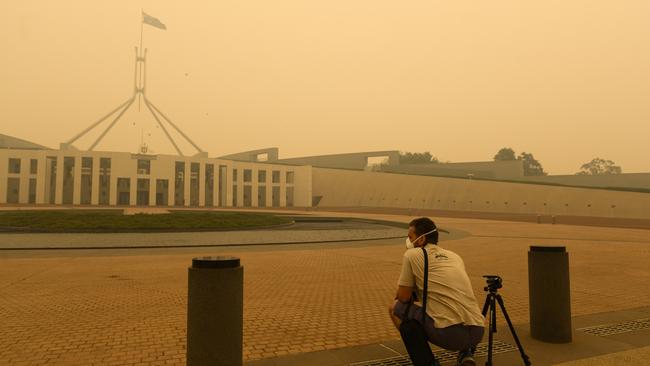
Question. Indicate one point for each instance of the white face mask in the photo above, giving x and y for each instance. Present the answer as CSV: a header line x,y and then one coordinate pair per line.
x,y
409,244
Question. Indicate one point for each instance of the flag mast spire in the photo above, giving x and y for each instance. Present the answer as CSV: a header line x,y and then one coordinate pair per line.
x,y
140,57
140,82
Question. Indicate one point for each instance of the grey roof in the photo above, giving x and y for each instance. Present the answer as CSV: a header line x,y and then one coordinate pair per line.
x,y
10,142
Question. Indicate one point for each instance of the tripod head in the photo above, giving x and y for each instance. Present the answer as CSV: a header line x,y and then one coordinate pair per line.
x,y
494,283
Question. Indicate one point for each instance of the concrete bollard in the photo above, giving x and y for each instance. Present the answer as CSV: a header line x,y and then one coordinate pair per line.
x,y
215,312
549,294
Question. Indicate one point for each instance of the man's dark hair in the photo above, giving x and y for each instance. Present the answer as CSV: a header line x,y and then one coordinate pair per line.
x,y
424,225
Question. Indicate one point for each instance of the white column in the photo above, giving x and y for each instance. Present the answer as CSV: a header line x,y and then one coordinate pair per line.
x,y
23,193
283,188
186,186
201,184
94,188
133,188
215,185
76,186
240,187
254,187
40,179
171,186
152,188
4,171
269,187
58,197
228,186
113,184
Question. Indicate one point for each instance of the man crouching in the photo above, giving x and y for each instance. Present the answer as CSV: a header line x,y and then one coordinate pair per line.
x,y
453,319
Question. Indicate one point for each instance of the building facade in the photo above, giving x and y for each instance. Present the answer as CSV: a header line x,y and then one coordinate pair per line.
x,y
70,177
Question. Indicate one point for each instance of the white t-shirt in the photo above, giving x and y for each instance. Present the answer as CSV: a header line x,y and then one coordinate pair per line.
x,y
450,297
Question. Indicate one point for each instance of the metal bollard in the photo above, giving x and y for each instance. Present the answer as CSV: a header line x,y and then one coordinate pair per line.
x,y
215,311
549,294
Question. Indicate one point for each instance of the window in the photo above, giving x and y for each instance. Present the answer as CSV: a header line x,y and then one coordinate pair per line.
x,y
13,190
32,190
261,176
14,166
86,162
104,180
68,179
194,184
179,184
33,166
289,196
248,196
275,176
248,175
162,192
142,193
144,166
290,177
262,157
123,191
209,184
86,180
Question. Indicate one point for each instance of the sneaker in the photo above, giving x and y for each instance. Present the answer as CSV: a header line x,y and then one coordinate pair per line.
x,y
466,358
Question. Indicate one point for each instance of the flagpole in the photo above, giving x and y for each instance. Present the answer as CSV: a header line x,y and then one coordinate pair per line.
x,y
141,28
140,56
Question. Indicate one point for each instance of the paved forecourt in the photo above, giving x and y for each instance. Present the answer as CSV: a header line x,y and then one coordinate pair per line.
x,y
128,306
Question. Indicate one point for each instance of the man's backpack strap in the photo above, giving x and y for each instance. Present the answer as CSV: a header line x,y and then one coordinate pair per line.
x,y
425,285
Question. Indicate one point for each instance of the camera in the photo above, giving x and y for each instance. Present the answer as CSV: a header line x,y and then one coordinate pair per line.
x,y
494,283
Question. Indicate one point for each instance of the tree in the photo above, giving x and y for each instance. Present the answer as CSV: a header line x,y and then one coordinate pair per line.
x,y
505,154
598,166
416,158
531,165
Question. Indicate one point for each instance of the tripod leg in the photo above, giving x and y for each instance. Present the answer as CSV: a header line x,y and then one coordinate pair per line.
x,y
492,325
486,305
512,330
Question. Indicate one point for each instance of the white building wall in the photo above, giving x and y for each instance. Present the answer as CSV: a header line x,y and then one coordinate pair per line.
x,y
76,195
4,173
94,193
124,165
40,178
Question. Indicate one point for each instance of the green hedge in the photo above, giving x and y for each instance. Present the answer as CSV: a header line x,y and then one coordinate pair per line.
x,y
115,221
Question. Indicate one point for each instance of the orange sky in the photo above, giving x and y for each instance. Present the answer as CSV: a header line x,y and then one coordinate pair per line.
x,y
565,80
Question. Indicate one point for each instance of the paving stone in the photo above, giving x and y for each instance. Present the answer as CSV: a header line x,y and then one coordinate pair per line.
x,y
130,306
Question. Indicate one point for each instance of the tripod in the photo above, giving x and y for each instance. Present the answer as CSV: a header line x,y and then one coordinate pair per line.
x,y
493,284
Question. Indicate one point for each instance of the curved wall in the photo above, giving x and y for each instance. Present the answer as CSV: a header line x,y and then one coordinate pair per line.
x,y
343,188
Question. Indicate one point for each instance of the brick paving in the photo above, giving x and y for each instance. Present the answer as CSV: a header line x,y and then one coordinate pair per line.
x,y
129,308
298,233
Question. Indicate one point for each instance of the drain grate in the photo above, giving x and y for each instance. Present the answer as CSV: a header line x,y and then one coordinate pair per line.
x,y
442,356
618,328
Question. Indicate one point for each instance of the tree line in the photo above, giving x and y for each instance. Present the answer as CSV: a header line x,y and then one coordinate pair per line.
x,y
532,167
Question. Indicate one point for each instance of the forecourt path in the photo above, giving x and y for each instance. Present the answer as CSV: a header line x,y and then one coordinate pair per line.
x,y
128,306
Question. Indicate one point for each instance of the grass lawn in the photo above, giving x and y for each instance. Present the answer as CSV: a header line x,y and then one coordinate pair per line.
x,y
60,221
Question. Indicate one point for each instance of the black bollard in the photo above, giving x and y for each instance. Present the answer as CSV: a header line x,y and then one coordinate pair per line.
x,y
549,294
215,312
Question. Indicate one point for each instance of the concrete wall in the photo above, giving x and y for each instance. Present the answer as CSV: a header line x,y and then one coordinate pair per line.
x,y
483,169
252,156
340,188
627,180
357,161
